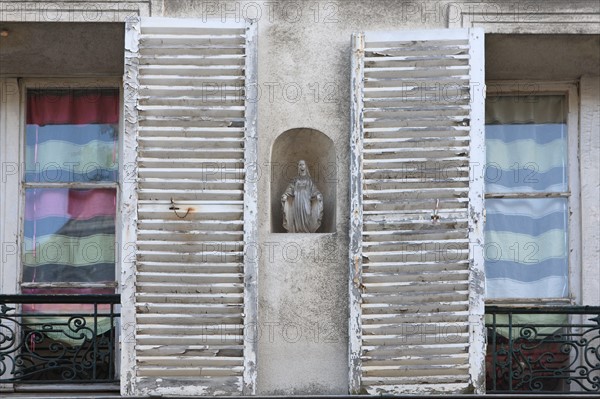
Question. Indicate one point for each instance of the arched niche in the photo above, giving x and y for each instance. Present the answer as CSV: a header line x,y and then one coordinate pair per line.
x,y
319,153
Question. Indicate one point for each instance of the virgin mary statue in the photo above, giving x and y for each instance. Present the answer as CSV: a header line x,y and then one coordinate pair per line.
x,y
302,203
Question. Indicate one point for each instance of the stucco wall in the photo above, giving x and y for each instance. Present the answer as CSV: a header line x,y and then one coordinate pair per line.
x,y
590,189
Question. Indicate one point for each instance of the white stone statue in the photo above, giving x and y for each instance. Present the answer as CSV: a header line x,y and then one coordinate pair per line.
x,y
302,203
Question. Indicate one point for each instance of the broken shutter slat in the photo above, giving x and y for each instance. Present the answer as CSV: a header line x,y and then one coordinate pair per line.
x,y
416,194
190,302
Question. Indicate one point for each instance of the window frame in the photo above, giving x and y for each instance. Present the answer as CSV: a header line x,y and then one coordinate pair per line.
x,y
573,196
10,118
67,83
64,83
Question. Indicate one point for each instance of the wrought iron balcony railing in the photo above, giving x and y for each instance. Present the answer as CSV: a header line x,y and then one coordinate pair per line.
x,y
58,338
543,349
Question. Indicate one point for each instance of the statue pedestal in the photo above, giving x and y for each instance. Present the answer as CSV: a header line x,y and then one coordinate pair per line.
x,y
303,315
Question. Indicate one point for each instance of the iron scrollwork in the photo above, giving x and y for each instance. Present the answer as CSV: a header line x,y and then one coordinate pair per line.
x,y
57,347
543,357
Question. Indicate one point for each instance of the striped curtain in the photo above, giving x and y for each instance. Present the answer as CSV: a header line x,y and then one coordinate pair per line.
x,y
526,250
69,232
69,235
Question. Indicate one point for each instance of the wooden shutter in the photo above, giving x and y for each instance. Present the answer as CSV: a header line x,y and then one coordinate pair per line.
x,y
416,263
188,208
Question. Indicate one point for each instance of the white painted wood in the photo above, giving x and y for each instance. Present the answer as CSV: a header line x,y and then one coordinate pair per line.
x,y
10,128
127,235
194,295
356,215
477,335
575,205
416,289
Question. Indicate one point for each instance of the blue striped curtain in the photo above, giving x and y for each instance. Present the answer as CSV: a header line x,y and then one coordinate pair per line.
x,y
526,243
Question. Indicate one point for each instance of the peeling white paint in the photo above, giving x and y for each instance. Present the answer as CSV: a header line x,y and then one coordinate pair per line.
x,y
416,272
477,333
128,210
188,288
356,215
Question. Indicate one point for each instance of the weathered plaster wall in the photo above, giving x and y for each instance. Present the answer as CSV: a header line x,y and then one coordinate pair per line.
x,y
590,188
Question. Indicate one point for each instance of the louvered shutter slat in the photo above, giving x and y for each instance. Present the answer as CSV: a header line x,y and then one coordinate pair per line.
x,y
414,213
190,269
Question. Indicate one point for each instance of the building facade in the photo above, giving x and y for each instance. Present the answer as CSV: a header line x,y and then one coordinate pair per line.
x,y
145,147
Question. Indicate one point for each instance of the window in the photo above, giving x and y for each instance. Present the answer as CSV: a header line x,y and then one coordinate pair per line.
x,y
530,182
61,185
69,184
529,176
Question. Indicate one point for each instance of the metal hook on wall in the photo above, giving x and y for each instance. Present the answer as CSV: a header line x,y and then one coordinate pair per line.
x,y
175,208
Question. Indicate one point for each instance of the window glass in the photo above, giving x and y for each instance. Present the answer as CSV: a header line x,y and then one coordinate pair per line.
x,y
71,135
71,141
526,158
69,235
526,246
